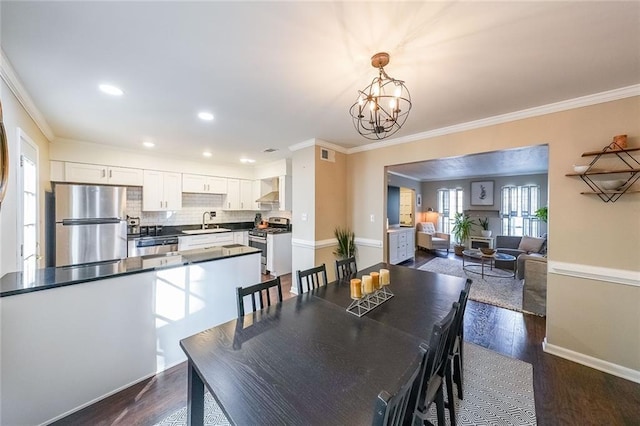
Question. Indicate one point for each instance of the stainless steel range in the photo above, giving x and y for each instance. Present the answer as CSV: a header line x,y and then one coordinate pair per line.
x,y
259,238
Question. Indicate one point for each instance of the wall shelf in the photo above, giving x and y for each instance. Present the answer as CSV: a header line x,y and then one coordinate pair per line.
x,y
629,166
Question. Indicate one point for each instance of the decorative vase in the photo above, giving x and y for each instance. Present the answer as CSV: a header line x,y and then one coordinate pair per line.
x,y
485,234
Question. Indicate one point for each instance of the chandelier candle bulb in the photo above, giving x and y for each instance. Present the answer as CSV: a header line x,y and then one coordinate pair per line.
x,y
367,284
384,277
375,277
356,288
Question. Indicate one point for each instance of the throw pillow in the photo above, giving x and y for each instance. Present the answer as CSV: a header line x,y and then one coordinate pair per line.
x,y
531,245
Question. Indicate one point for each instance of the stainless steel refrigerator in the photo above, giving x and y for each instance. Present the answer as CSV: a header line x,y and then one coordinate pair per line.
x,y
91,224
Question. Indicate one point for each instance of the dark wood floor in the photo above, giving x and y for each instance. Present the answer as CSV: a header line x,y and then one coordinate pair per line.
x,y
566,393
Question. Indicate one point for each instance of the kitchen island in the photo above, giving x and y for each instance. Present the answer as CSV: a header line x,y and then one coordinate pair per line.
x,y
75,335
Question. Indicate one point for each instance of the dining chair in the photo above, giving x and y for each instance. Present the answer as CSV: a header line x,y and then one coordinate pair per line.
x,y
313,278
455,364
431,378
391,410
260,292
346,267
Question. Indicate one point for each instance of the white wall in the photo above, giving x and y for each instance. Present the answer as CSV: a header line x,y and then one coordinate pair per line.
x,y
67,347
14,117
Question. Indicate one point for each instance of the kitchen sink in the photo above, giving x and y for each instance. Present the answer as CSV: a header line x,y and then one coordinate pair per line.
x,y
206,231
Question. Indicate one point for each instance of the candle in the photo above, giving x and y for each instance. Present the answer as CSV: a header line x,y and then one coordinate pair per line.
x,y
384,277
375,277
367,284
356,288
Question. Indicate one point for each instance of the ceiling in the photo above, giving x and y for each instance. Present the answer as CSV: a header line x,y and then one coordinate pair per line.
x,y
276,74
519,161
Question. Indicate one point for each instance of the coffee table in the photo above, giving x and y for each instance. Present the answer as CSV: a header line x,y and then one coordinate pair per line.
x,y
475,259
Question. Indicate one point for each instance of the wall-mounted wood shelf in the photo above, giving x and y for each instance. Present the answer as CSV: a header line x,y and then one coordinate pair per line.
x,y
631,167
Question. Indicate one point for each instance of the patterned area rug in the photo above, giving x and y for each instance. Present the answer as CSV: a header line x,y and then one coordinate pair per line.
x,y
498,390
503,292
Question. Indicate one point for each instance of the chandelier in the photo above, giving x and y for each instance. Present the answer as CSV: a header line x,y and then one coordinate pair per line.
x,y
383,106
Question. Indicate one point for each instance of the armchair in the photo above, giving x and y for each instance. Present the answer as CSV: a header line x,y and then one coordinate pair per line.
x,y
429,239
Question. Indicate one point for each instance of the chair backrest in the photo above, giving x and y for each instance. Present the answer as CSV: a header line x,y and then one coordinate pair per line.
x,y
390,410
311,277
346,267
436,357
458,321
427,228
260,292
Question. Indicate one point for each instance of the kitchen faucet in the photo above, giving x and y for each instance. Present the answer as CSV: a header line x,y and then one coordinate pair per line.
x,y
204,225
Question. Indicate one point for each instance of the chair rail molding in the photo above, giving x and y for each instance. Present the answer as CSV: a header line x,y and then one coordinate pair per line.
x,y
599,273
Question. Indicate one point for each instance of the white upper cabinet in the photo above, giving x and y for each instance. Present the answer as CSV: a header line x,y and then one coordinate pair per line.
x,y
107,175
240,195
161,191
204,184
284,189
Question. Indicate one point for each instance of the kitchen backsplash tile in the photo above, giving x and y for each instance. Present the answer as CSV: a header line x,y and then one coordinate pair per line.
x,y
193,206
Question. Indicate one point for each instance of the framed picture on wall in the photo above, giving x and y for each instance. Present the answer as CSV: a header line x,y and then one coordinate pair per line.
x,y
419,200
482,193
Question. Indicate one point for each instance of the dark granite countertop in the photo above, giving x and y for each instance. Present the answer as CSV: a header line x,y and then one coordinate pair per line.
x,y
177,231
12,283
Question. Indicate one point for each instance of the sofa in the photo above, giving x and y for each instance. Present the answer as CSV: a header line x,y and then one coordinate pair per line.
x,y
531,265
515,246
534,290
427,237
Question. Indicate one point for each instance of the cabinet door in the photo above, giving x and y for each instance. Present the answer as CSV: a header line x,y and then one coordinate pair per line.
x,y
233,195
85,173
284,193
125,176
393,248
241,238
217,185
172,191
247,202
152,191
194,183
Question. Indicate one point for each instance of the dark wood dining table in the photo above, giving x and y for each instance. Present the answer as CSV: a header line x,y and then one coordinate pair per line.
x,y
309,361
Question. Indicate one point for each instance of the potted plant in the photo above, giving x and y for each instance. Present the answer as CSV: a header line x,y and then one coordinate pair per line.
x,y
541,213
484,224
461,230
346,243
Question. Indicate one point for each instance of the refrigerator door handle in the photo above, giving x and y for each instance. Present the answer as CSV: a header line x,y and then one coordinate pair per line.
x,y
71,222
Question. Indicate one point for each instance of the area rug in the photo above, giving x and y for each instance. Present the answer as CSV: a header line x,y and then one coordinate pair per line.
x,y
498,390
502,292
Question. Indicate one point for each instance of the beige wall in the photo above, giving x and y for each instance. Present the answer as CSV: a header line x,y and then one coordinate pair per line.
x,y
583,230
320,195
15,116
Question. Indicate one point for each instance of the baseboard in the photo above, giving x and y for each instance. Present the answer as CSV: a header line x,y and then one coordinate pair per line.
x,y
589,361
108,394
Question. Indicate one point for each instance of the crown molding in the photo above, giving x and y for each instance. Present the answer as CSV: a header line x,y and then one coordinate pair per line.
x,y
318,142
10,77
413,178
583,101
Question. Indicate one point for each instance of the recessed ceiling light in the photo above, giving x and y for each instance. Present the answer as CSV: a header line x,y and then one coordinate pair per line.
x,y
111,90
247,160
207,154
207,116
149,144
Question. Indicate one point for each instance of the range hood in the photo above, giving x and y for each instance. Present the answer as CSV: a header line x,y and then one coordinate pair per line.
x,y
271,197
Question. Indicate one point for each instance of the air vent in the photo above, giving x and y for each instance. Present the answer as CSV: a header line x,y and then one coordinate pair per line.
x,y
327,155
270,150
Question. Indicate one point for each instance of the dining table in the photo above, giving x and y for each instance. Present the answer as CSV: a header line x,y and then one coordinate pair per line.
x,y
309,361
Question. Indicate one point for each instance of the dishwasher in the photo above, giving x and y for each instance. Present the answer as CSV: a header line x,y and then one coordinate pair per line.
x,y
151,245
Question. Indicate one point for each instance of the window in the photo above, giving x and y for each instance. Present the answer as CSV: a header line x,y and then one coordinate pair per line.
x,y
449,203
519,204
28,209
